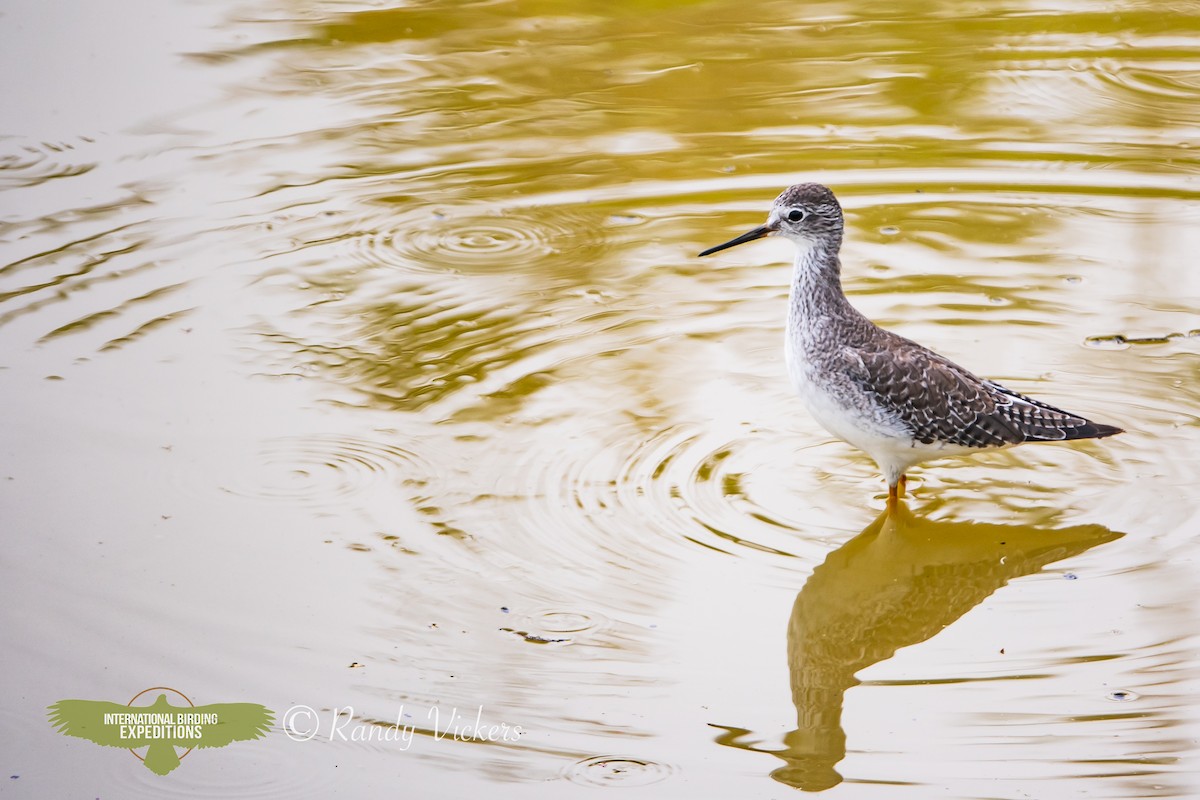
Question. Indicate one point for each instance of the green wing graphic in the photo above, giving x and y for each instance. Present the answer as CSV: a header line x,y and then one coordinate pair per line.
x,y
85,719
235,722
239,722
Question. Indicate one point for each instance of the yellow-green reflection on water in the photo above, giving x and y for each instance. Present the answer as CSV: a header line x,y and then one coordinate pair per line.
x,y
359,355
899,582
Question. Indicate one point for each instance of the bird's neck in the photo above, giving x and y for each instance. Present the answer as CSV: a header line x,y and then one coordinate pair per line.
x,y
816,298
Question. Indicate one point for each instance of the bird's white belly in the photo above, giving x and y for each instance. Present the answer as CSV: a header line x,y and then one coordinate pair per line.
x,y
850,424
859,423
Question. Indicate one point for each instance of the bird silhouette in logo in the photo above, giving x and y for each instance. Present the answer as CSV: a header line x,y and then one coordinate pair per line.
x,y
225,723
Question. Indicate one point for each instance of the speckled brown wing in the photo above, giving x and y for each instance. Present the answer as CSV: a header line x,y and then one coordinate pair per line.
x,y
940,401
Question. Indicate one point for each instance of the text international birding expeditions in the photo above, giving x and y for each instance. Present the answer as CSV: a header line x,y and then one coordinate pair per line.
x,y
162,725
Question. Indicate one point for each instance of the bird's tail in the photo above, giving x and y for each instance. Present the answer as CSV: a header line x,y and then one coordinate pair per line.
x,y
161,758
1042,422
1093,430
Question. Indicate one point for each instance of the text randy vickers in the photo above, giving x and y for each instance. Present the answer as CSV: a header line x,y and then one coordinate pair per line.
x,y
454,725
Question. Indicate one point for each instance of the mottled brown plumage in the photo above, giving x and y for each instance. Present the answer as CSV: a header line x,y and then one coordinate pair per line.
x,y
940,401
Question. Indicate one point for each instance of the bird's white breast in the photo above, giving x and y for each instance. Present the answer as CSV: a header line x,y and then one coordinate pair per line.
x,y
855,419
840,415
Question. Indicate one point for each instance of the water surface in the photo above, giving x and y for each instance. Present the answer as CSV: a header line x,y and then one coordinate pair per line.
x,y
359,356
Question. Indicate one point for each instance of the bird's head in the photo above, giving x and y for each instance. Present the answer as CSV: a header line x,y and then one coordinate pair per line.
x,y
806,213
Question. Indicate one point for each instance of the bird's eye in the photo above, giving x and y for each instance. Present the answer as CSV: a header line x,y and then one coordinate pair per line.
x,y
795,215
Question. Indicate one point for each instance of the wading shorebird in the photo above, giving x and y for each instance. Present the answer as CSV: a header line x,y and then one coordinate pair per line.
x,y
897,401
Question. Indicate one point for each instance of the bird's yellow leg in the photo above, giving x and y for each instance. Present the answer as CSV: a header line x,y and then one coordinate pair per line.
x,y
896,493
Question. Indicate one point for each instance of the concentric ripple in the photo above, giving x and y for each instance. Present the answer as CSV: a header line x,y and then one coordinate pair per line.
x,y
647,501
549,626
480,240
243,774
567,621
325,469
617,771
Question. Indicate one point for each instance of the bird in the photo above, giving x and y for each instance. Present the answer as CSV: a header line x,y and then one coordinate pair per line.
x,y
894,399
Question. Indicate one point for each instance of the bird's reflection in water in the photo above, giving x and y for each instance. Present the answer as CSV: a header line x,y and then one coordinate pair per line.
x,y
897,583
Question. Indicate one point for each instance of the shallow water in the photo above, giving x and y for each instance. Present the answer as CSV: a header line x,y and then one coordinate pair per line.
x,y
358,356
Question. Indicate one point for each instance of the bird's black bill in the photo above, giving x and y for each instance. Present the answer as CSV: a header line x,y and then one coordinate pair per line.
x,y
748,236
